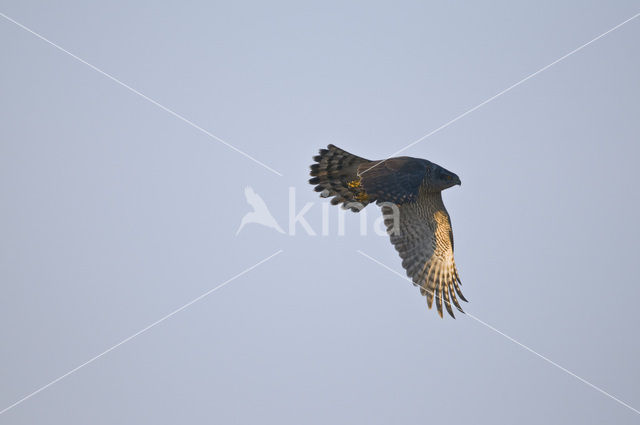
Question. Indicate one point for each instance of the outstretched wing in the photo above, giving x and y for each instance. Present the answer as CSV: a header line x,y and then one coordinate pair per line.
x,y
395,180
422,235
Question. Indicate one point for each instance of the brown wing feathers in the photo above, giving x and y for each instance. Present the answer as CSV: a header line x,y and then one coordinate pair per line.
x,y
426,248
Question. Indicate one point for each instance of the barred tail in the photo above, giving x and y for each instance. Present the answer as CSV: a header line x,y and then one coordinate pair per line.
x,y
336,174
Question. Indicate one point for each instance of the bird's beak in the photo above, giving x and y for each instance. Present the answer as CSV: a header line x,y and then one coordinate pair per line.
x,y
458,182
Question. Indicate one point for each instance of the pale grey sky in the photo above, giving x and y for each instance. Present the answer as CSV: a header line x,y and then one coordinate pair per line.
x,y
116,213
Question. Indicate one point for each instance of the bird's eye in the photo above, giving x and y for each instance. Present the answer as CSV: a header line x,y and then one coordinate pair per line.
x,y
448,177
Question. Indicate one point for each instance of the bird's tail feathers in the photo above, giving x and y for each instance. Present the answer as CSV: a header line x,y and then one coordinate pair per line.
x,y
335,172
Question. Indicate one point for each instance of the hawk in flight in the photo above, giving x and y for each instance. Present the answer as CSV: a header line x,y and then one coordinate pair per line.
x,y
409,191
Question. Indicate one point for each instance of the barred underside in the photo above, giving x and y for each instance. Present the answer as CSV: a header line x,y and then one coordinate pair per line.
x,y
424,242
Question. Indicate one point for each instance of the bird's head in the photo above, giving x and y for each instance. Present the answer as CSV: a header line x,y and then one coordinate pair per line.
x,y
442,178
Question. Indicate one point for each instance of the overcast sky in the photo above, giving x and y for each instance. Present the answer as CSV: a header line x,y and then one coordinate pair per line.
x,y
116,212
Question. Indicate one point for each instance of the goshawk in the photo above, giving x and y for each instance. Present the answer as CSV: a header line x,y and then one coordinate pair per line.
x,y
409,193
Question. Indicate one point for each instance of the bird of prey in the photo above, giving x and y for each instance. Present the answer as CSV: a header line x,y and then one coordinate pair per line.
x,y
412,188
260,213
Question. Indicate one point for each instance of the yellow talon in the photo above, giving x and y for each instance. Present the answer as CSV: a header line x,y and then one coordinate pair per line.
x,y
360,194
362,197
354,183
